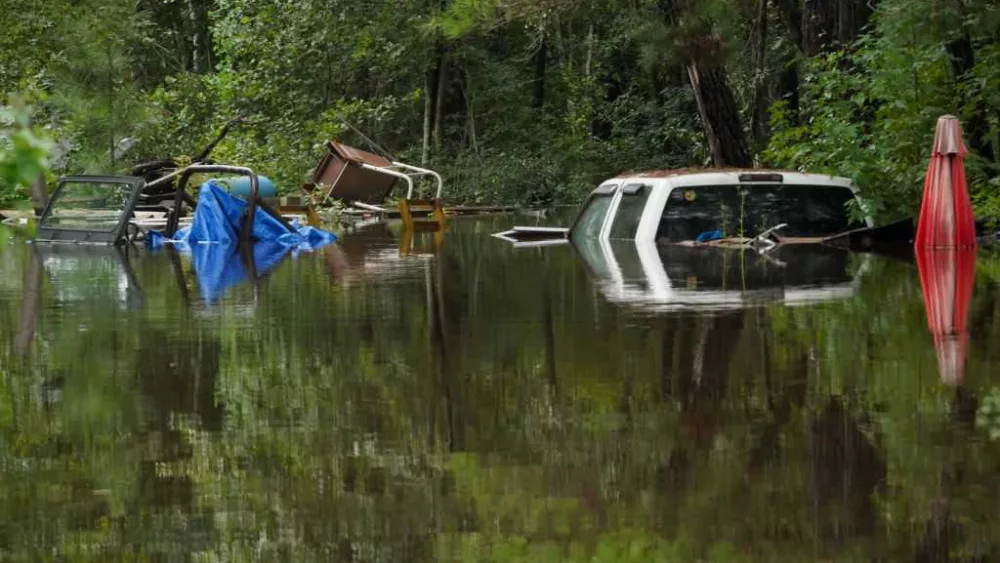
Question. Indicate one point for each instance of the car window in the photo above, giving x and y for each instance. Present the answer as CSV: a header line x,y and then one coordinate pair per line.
x,y
809,210
630,208
92,206
591,219
692,212
748,210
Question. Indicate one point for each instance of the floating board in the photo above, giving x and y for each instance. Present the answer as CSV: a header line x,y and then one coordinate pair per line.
x,y
535,236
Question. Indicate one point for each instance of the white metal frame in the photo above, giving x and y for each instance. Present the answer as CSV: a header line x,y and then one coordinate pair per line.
x,y
609,216
650,220
396,173
407,173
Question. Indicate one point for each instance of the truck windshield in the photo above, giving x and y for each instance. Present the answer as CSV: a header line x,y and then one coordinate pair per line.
x,y
591,219
746,211
88,206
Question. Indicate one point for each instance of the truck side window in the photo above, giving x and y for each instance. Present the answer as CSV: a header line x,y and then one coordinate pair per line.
x,y
747,210
694,211
630,208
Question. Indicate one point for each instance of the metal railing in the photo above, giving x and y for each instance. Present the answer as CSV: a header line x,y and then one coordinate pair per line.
x,y
407,172
253,203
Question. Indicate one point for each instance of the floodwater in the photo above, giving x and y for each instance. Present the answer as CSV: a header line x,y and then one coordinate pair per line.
x,y
498,403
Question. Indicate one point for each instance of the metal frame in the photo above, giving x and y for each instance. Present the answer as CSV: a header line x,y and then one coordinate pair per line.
x,y
417,171
627,189
414,171
117,235
246,222
391,172
650,221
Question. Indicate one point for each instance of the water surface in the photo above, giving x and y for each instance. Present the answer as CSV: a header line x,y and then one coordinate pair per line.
x,y
493,403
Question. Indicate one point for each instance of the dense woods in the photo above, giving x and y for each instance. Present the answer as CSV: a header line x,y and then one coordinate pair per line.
x,y
514,100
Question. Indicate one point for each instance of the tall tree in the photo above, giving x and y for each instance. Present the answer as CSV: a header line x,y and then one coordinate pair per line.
x,y
759,103
701,50
94,79
962,58
828,24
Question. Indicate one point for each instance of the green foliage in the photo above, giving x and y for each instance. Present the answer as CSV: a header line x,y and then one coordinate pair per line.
x,y
29,39
95,94
466,16
988,415
869,112
614,94
23,153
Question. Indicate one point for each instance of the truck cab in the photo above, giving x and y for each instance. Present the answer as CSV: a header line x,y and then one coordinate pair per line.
x,y
674,207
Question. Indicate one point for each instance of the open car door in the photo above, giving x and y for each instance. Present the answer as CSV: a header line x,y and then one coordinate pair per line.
x,y
90,209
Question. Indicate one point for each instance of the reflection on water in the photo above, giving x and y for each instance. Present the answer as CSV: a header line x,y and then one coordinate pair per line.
x,y
493,403
656,278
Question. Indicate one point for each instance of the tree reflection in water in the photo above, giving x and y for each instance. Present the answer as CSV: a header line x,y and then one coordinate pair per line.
x,y
491,403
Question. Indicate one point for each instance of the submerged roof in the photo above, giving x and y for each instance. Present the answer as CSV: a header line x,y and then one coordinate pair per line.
x,y
695,171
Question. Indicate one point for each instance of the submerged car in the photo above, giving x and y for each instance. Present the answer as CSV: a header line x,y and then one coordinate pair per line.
x,y
677,207
718,239
721,207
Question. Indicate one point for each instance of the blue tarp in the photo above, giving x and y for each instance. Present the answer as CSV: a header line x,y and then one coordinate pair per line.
x,y
212,241
710,236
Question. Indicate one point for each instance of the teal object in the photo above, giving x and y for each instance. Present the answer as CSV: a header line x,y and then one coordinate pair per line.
x,y
239,186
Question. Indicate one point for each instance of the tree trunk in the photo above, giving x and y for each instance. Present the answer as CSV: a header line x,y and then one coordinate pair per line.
x,y
720,116
788,82
814,27
759,118
827,24
430,83
39,195
790,12
111,105
819,22
192,14
589,61
197,35
977,128
439,92
541,56
470,110
852,17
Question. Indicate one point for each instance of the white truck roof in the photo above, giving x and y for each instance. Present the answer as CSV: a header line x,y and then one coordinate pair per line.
x,y
660,183
697,177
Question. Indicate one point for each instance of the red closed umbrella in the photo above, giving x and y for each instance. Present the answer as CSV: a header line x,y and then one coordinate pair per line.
x,y
947,276
946,213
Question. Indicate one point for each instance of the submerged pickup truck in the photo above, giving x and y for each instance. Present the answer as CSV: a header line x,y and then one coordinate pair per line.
x,y
720,207
677,239
682,206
